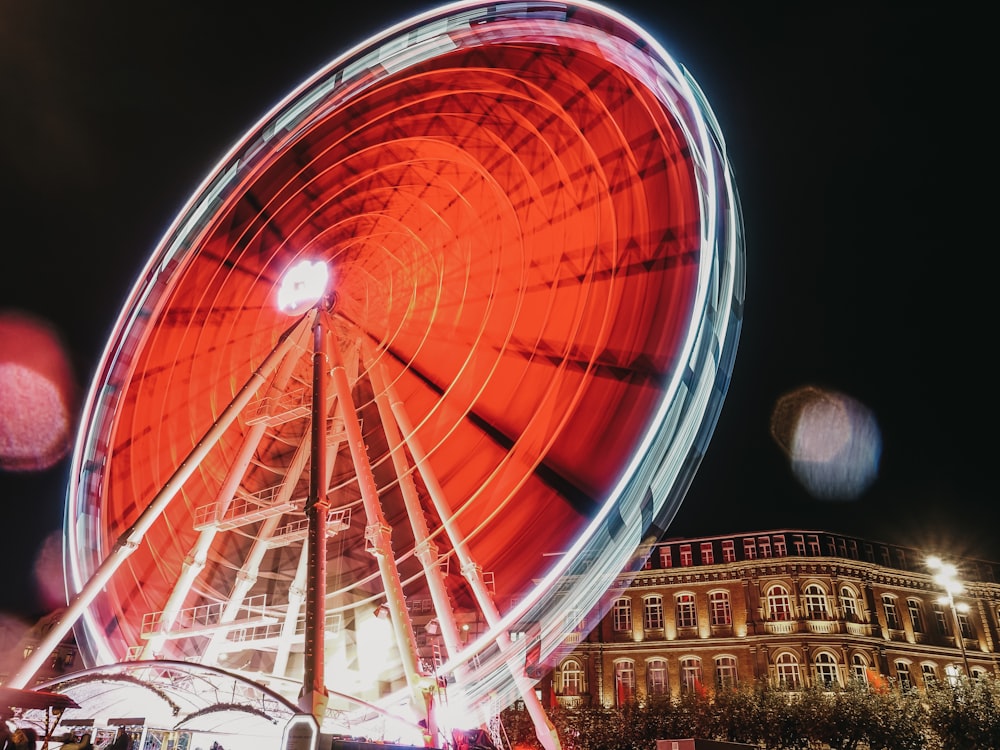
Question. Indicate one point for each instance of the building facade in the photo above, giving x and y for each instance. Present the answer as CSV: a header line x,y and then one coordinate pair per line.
x,y
793,607
18,640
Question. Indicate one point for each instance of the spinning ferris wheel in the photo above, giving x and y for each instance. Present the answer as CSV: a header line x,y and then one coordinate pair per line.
x,y
534,296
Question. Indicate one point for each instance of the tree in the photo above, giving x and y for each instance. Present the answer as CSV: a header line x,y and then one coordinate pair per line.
x,y
956,716
897,721
966,713
739,714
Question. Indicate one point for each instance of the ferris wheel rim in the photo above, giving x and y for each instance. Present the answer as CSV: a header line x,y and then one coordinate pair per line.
x,y
718,308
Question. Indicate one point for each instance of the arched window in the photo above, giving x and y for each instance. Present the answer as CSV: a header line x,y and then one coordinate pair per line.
x,y
572,677
652,612
928,670
859,668
825,665
624,681
691,679
656,677
779,606
622,615
725,672
719,609
687,615
786,667
849,604
815,602
903,674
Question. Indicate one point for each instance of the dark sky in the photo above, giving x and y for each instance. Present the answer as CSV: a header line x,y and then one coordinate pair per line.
x,y
857,136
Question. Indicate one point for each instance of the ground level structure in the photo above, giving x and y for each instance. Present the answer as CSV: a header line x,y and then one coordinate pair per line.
x,y
164,705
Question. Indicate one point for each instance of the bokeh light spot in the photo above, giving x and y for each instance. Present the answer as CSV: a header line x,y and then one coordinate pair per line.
x,y
37,394
832,441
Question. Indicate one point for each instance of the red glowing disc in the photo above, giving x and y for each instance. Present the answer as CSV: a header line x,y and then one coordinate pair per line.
x,y
538,274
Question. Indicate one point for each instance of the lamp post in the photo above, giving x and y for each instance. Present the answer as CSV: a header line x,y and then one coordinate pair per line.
x,y
304,286
945,576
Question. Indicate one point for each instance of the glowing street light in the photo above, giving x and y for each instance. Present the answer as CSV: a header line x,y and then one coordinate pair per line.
x,y
946,577
304,286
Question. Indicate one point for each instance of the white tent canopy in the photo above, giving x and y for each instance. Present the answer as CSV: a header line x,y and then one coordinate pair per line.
x,y
170,704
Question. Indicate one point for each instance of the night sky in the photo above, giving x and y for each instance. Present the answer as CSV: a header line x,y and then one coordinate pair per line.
x,y
857,147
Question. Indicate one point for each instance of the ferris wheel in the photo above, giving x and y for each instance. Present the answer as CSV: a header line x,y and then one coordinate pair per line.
x,y
532,256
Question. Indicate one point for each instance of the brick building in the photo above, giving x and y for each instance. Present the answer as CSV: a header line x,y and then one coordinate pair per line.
x,y
792,607
18,640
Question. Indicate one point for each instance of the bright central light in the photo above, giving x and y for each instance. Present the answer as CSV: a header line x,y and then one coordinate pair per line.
x,y
949,584
302,286
946,576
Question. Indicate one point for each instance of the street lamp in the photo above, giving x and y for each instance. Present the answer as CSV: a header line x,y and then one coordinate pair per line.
x,y
946,577
304,286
